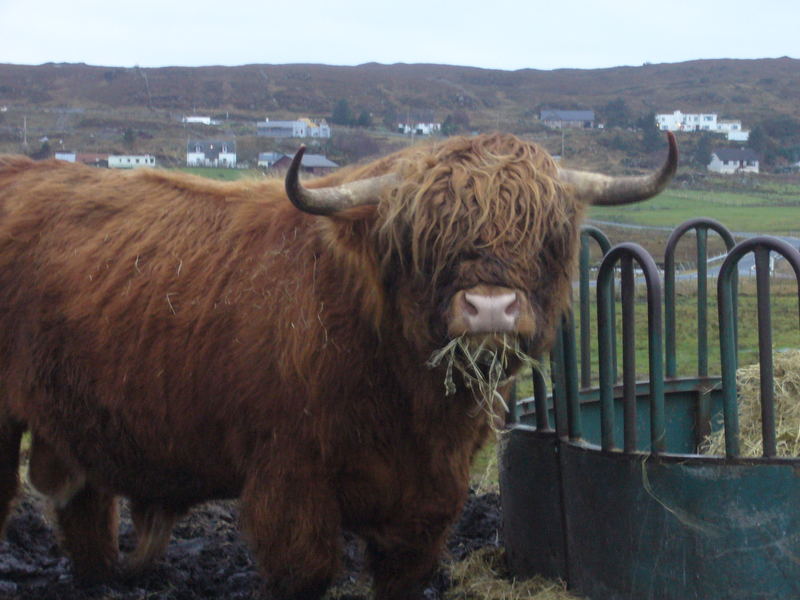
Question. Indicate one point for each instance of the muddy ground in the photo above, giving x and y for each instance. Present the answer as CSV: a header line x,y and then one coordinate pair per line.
x,y
206,558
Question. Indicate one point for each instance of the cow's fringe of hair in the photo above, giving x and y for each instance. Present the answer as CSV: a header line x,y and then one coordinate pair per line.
x,y
483,366
471,194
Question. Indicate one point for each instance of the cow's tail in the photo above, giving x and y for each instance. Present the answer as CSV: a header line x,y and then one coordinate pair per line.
x,y
10,437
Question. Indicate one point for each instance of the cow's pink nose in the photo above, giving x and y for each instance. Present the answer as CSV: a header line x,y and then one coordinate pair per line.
x,y
491,314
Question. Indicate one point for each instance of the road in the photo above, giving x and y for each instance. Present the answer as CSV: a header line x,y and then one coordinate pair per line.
x,y
747,263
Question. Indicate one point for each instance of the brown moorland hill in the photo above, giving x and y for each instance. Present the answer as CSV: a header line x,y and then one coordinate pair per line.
x,y
91,106
743,88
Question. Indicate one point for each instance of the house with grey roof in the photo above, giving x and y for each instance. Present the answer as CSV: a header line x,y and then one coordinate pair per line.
x,y
301,128
734,160
213,153
267,159
567,119
316,164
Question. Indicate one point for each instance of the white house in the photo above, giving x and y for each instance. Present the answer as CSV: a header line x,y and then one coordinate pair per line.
x,y
66,156
678,121
211,154
319,129
124,161
733,160
419,128
734,131
301,128
199,119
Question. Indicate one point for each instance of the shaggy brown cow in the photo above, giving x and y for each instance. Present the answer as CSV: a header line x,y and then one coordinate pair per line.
x,y
172,340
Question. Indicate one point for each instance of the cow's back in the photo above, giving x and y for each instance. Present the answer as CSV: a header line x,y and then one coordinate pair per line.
x,y
134,313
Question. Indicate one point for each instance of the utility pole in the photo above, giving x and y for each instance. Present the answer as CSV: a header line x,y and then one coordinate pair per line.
x,y
25,132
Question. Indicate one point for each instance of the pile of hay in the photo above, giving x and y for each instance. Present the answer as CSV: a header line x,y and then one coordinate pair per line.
x,y
483,575
787,409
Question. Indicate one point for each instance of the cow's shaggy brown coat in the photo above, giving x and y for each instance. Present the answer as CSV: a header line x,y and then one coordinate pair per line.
x,y
172,340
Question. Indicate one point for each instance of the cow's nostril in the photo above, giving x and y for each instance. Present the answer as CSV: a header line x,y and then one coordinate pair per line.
x,y
512,310
469,307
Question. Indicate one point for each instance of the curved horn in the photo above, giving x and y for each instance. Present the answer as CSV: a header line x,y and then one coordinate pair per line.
x,y
603,190
329,201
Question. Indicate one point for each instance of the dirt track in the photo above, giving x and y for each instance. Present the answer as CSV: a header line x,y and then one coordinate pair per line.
x,y
206,558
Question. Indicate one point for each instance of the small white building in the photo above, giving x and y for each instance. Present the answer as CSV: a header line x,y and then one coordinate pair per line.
x,y
66,156
419,128
729,161
678,121
211,154
199,119
125,161
301,128
733,130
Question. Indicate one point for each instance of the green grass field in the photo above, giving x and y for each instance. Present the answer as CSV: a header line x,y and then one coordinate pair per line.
x,y
775,210
221,174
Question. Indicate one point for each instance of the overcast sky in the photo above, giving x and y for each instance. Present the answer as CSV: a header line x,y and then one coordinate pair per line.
x,y
497,34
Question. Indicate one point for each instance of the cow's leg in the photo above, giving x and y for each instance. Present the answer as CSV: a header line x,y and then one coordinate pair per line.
x,y
403,556
293,525
153,524
10,435
51,475
88,524
87,517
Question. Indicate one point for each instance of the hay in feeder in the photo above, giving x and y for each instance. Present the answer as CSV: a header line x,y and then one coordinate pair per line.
x,y
483,575
787,409
483,365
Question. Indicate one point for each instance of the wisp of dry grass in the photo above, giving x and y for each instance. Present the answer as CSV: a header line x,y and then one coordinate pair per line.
x,y
483,366
483,576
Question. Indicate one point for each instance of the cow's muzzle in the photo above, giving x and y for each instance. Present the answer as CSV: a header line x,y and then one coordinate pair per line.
x,y
485,309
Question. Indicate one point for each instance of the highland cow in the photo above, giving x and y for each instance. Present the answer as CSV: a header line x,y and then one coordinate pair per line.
x,y
172,340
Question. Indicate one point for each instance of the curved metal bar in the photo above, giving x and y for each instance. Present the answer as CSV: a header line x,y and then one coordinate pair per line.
x,y
761,246
701,225
569,364
540,398
559,383
655,357
588,232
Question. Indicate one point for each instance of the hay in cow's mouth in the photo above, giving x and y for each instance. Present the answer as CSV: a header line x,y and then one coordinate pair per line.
x,y
483,364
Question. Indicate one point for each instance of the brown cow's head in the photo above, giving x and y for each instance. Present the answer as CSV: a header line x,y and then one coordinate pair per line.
x,y
475,236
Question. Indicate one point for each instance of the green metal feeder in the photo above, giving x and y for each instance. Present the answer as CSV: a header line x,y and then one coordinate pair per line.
x,y
615,499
